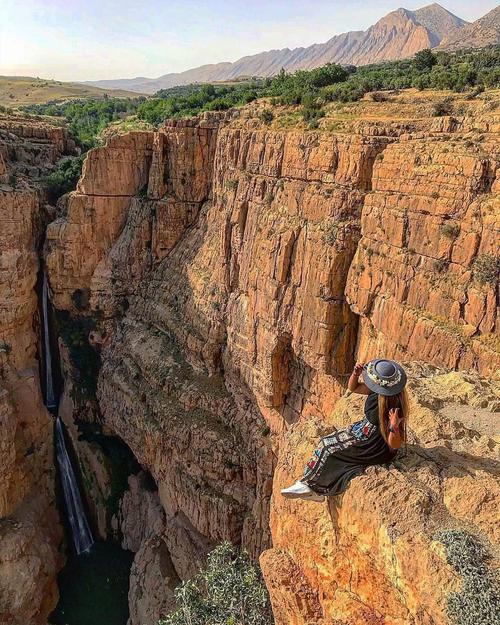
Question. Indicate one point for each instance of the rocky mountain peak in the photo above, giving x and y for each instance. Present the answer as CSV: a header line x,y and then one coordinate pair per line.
x,y
438,21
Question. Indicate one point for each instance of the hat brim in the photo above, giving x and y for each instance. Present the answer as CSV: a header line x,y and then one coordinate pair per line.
x,y
386,390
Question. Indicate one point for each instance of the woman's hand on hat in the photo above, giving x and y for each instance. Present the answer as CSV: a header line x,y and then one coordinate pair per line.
x,y
358,368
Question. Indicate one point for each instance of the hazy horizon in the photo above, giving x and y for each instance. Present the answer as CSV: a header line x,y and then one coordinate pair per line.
x,y
79,40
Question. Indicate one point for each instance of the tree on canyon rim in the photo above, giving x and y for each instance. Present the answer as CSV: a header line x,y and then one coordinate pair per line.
x,y
229,591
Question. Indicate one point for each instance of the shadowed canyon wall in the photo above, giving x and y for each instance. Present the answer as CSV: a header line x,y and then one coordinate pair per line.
x,y
29,525
229,274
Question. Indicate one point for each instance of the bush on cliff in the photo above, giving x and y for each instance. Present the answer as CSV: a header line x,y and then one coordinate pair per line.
x,y
64,178
229,591
478,600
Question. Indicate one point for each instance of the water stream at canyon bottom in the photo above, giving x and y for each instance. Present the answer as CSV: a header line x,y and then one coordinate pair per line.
x,y
77,517
50,396
94,583
81,533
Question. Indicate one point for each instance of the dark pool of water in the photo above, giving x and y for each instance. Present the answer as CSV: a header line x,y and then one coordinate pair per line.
x,y
93,587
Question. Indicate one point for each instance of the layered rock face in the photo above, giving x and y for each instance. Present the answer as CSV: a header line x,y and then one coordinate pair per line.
x,y
425,276
29,526
234,273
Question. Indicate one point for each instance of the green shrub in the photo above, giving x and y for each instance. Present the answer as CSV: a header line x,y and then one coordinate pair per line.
x,y
267,116
451,231
475,92
228,591
331,234
440,265
478,601
443,107
425,60
486,269
64,178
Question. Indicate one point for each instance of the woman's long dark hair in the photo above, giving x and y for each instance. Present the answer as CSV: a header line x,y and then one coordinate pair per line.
x,y
386,403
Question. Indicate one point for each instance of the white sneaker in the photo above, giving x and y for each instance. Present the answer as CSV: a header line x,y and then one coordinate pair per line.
x,y
299,490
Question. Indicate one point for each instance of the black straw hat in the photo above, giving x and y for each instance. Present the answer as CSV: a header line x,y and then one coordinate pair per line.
x,y
385,377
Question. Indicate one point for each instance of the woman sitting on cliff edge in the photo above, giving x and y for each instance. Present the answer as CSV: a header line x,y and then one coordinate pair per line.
x,y
374,440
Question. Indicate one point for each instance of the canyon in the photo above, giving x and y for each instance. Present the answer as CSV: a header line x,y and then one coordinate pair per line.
x,y
212,285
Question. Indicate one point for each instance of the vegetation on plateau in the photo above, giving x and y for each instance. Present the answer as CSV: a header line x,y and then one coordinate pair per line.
x,y
229,591
87,118
472,71
478,600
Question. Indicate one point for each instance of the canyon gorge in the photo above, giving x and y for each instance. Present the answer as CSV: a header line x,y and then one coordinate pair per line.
x,y
212,285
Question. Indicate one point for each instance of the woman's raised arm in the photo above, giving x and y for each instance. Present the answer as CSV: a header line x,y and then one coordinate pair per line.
x,y
354,385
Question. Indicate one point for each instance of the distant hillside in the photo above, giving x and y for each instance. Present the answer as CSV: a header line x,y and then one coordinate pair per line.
x,y
22,90
483,32
399,34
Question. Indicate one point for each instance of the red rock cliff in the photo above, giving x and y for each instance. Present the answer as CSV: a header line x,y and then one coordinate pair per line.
x,y
29,526
238,272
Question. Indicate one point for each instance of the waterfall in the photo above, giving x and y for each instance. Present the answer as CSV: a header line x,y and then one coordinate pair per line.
x,y
50,397
80,529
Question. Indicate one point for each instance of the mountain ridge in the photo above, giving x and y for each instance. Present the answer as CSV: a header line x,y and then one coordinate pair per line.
x,y
400,33
484,31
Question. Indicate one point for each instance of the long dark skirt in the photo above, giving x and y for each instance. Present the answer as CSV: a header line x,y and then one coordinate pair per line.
x,y
345,454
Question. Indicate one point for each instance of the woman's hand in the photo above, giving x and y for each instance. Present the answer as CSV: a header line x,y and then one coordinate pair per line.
x,y
358,368
395,418
354,385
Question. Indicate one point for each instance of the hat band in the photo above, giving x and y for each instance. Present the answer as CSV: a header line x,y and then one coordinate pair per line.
x,y
380,381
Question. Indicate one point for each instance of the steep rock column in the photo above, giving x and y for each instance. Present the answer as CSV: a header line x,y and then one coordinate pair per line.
x,y
424,281
29,525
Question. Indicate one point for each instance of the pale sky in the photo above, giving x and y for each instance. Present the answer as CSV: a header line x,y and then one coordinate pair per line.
x,y
101,39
